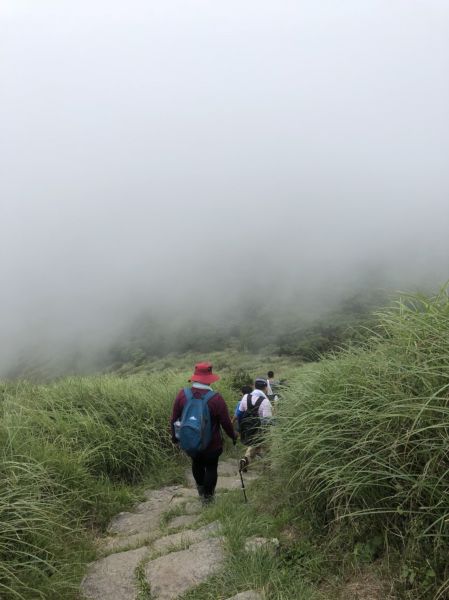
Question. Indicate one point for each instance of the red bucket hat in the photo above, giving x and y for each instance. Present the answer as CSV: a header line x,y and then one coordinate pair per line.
x,y
203,374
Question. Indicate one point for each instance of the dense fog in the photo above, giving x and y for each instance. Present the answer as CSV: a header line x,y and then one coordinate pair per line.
x,y
183,155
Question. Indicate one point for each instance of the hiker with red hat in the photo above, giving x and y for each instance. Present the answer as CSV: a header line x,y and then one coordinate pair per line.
x,y
197,417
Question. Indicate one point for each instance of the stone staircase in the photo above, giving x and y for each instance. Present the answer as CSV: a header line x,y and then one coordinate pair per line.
x,y
157,548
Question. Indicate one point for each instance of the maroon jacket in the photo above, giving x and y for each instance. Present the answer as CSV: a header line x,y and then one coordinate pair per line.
x,y
219,415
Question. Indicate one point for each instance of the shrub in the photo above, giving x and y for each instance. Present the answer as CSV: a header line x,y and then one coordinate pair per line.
x,y
240,378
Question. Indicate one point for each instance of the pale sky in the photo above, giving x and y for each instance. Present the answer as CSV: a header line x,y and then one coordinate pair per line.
x,y
146,146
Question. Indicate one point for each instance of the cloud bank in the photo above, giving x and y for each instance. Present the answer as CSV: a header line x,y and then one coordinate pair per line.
x,y
152,150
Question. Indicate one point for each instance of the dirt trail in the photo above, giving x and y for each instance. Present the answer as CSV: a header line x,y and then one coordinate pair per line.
x,y
157,547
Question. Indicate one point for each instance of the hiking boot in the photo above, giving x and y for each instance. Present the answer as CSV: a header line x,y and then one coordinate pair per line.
x,y
200,489
207,500
243,464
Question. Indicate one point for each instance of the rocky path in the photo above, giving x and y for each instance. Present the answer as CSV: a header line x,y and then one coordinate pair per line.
x,y
158,550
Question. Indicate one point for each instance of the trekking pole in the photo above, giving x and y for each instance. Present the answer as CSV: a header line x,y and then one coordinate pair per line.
x,y
243,485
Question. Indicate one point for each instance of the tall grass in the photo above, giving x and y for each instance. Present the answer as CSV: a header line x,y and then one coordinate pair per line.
x,y
362,442
34,530
66,451
118,427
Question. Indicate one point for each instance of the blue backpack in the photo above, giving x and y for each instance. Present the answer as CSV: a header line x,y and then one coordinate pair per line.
x,y
195,428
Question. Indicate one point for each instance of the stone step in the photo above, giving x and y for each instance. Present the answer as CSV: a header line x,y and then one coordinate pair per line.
x,y
172,575
136,528
159,501
146,516
163,493
189,506
182,521
122,542
113,577
185,538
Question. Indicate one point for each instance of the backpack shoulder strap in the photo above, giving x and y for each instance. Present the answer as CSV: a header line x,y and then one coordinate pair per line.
x,y
188,393
249,402
259,402
210,394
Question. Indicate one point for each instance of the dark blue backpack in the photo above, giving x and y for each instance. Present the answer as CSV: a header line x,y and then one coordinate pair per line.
x,y
195,428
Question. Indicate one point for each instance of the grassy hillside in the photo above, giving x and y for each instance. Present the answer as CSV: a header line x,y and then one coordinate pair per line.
x,y
361,446
357,468
267,326
263,325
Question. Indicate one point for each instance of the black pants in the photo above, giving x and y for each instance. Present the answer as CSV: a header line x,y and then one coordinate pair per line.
x,y
204,469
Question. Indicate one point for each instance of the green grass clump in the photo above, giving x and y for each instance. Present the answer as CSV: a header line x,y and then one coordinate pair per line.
x,y
68,451
362,443
118,427
43,544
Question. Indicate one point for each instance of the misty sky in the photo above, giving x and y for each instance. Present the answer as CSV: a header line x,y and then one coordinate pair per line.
x,y
147,146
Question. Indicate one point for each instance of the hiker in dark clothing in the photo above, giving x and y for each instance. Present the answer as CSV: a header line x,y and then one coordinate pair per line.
x,y
205,463
263,413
